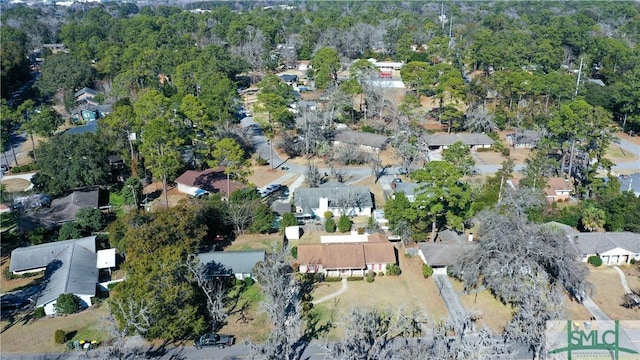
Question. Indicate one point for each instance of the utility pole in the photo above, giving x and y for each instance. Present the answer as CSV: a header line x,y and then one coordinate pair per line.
x,y
578,81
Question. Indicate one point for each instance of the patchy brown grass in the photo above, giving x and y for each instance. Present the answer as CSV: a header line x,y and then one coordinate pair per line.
x,y
24,335
494,314
408,293
609,291
16,185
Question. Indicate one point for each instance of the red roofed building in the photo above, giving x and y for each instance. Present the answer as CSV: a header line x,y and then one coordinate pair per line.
x,y
201,182
558,189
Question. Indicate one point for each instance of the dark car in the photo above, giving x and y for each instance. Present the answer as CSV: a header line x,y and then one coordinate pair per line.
x,y
214,339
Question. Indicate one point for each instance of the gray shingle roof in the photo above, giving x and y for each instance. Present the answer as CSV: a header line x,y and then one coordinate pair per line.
x,y
362,138
630,183
470,139
308,198
70,266
65,209
445,253
236,261
598,243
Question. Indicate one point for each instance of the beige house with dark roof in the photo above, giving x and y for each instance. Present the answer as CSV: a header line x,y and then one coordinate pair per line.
x,y
346,259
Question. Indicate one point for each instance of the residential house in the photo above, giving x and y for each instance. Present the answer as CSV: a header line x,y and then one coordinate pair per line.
x,y
289,79
239,264
410,190
89,127
85,94
71,267
527,139
630,183
440,255
439,142
335,197
614,248
346,259
64,210
365,141
200,182
558,189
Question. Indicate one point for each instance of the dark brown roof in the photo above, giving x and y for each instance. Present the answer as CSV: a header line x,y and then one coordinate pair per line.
x,y
346,256
211,180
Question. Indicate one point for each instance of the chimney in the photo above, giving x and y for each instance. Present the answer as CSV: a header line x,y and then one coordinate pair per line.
x,y
323,204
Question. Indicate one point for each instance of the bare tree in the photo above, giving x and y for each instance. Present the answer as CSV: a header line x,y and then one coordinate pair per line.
x,y
369,334
213,289
350,200
479,119
252,48
312,176
135,315
240,214
525,266
283,306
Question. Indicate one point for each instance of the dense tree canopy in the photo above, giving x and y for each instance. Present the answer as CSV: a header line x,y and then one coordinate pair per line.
x,y
71,161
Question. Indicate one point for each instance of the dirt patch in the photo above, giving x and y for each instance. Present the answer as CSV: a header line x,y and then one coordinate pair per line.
x,y
16,185
608,292
23,335
263,175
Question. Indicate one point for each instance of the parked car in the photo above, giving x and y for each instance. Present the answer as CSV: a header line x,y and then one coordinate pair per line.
x,y
213,339
273,187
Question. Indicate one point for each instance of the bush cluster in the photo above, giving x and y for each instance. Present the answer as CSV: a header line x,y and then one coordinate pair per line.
x,y
370,276
60,336
332,279
427,271
393,270
38,313
355,278
260,161
594,260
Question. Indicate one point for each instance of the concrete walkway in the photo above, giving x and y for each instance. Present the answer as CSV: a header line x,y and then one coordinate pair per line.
x,y
331,296
457,312
594,309
623,279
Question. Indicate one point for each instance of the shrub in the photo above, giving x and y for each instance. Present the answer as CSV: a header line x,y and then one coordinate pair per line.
x,y
60,336
355,278
330,226
261,161
67,304
332,279
427,271
38,313
288,219
294,252
381,273
360,231
344,223
248,281
328,215
594,260
393,270
633,262
370,276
